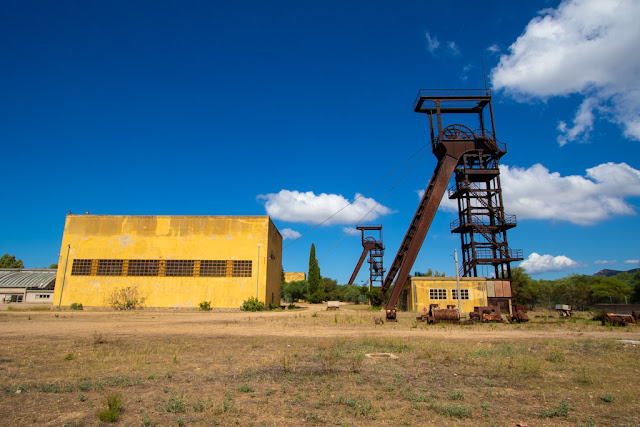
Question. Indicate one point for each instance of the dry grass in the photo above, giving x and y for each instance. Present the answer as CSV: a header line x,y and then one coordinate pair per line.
x,y
289,368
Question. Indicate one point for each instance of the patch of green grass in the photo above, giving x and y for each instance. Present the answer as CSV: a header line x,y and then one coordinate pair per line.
x,y
226,406
175,404
112,412
455,395
48,388
560,410
84,385
555,355
452,410
146,422
200,405
69,356
607,398
245,389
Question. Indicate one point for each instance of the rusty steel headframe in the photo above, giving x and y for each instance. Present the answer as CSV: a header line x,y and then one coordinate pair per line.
x,y
372,245
473,155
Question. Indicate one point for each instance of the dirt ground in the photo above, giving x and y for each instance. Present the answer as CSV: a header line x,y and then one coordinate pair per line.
x,y
179,367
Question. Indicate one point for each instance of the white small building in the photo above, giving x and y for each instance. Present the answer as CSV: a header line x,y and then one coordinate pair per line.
x,y
27,285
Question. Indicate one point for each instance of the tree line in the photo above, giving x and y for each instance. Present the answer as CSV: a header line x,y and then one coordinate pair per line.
x,y
578,290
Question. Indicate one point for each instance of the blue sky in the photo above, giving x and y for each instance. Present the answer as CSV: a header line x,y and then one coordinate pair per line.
x,y
294,108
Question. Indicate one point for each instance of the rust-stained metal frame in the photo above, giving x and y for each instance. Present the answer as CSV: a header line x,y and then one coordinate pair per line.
x,y
473,155
372,245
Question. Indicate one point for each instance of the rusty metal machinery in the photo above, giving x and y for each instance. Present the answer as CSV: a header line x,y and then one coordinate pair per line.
x,y
486,314
437,314
372,245
519,314
473,156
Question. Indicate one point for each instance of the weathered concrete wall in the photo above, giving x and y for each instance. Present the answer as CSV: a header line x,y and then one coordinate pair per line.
x,y
292,276
120,237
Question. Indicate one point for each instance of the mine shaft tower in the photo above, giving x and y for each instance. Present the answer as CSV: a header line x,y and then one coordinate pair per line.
x,y
372,245
473,156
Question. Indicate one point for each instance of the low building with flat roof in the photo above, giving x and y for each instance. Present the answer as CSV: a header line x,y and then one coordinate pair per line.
x,y
33,285
170,261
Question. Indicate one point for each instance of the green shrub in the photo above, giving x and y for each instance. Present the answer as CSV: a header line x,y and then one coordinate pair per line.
x,y
113,410
274,306
245,388
127,298
607,398
175,404
205,305
75,306
291,306
560,410
252,304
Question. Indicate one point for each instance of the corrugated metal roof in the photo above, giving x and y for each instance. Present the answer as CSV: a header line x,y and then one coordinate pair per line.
x,y
27,278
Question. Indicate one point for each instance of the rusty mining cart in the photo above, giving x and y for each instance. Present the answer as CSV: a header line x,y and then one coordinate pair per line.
x,y
486,314
519,314
437,314
617,319
472,156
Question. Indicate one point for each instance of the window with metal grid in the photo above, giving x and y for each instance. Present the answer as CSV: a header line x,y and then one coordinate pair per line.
x,y
464,294
437,294
213,268
242,268
81,267
143,267
109,267
178,267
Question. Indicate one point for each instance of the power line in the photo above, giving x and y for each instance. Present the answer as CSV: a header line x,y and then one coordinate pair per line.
x,y
380,201
363,194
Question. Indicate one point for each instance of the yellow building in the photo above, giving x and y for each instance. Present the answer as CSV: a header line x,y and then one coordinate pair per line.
x,y
420,292
173,261
290,276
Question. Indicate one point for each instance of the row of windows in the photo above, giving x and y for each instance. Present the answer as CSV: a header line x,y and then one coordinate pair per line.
x,y
163,268
442,294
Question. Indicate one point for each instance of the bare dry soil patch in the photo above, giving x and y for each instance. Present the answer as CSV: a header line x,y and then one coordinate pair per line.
x,y
309,366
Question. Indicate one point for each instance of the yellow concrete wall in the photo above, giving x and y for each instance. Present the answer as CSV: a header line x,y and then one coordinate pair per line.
x,y
475,285
291,276
273,261
168,238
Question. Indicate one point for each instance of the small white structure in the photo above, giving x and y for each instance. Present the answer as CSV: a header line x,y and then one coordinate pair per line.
x,y
27,285
333,305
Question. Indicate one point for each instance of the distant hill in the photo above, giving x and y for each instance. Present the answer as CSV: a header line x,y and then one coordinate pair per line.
x,y
608,273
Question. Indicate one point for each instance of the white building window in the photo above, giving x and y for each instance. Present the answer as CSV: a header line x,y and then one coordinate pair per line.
x,y
464,294
437,294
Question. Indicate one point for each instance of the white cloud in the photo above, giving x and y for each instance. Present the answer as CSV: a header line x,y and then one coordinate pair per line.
x,y
453,48
632,261
432,43
465,72
288,233
605,262
493,49
537,263
537,193
582,123
309,208
351,231
587,47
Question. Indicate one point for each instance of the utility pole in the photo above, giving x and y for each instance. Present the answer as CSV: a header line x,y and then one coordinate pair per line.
x,y
258,272
455,256
64,275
